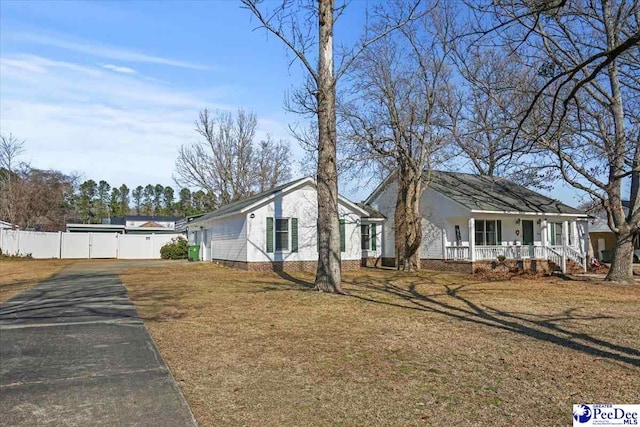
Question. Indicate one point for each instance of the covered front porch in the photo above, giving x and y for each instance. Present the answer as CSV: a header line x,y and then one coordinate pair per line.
x,y
491,237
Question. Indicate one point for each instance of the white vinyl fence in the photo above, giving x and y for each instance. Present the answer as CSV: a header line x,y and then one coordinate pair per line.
x,y
83,245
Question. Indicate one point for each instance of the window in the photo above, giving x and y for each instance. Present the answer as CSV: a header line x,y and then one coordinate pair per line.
x,y
365,237
488,232
555,233
282,234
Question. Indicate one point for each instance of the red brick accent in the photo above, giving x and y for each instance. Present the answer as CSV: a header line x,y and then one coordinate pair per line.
x,y
468,267
447,265
347,265
533,265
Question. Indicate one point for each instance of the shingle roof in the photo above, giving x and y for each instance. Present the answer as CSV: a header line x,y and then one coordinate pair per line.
x,y
373,213
485,193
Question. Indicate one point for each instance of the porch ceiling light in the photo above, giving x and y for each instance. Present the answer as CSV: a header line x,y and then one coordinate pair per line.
x,y
518,221
539,221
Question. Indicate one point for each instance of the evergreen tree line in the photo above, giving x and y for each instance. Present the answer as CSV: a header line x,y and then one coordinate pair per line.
x,y
94,201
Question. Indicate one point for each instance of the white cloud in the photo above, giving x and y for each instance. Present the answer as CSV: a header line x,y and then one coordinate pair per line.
x,y
119,69
114,126
101,50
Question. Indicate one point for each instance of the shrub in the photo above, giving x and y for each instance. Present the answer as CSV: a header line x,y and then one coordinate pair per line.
x,y
178,248
16,256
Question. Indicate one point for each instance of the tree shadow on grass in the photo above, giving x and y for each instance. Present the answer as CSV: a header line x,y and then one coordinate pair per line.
x,y
299,284
453,304
456,301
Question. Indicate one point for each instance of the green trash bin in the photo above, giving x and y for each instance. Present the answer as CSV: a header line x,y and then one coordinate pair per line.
x,y
194,253
607,255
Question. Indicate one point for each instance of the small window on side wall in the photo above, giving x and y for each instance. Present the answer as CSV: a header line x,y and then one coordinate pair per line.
x,y
364,237
282,234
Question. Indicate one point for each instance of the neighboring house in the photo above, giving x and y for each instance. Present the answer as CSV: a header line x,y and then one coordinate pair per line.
x,y
277,230
470,220
130,224
181,225
603,240
4,225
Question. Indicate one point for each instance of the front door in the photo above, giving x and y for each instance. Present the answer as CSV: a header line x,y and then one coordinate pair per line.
x,y
527,232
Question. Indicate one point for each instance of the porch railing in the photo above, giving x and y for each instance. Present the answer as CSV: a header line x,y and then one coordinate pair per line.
x,y
491,253
553,255
457,252
571,253
488,253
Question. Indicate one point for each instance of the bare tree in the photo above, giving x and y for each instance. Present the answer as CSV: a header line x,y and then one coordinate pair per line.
x,y
44,200
226,162
323,82
587,58
293,23
394,117
517,20
485,113
273,163
11,148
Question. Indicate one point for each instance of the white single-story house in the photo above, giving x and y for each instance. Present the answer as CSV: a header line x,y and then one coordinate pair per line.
x,y
470,220
276,230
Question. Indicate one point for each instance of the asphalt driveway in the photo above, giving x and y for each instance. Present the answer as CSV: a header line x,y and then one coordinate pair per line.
x,y
73,352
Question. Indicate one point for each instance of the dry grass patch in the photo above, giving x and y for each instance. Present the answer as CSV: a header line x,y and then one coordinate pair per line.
x,y
17,276
423,349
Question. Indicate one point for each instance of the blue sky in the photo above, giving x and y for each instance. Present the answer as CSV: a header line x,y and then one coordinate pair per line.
x,y
111,89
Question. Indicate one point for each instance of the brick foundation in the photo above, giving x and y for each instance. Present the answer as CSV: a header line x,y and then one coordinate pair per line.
x,y
532,265
468,267
447,265
347,265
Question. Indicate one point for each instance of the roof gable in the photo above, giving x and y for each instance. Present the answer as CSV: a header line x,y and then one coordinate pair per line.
x,y
256,200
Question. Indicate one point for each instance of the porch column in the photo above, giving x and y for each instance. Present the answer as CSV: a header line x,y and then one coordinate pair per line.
x,y
472,239
585,245
544,233
444,243
565,243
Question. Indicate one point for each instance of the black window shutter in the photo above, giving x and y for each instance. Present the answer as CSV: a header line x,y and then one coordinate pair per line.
x,y
269,235
373,237
499,232
294,234
343,242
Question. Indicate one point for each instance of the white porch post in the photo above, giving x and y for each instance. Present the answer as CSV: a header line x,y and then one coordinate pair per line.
x,y
544,237
585,244
472,239
444,243
565,241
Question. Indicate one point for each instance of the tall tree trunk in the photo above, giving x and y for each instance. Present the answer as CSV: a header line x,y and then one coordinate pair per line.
x,y
622,264
621,269
328,274
408,221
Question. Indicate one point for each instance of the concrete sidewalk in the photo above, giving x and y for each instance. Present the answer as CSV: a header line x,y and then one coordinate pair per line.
x,y
74,352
